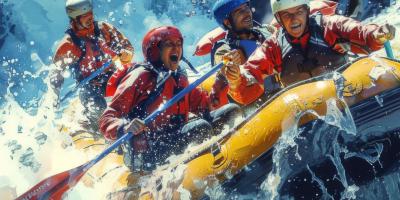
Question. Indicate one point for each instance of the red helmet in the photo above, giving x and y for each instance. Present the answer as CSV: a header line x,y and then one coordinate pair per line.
x,y
151,40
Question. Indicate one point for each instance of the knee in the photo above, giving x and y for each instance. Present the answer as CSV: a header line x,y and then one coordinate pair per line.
x,y
232,110
226,112
197,130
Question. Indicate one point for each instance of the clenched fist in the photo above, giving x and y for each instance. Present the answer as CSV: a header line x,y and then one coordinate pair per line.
x,y
136,126
125,56
231,69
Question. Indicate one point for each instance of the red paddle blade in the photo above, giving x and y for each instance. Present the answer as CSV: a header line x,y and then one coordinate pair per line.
x,y
55,186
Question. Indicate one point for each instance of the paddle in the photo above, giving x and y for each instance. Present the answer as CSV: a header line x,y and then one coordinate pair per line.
x,y
389,50
87,80
55,186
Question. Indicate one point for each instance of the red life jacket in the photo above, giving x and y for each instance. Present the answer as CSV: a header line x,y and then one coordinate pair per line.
x,y
115,79
167,86
204,46
119,74
93,48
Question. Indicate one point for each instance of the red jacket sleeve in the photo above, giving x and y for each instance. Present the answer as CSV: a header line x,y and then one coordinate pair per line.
x,y
116,39
263,62
66,52
200,100
336,27
130,92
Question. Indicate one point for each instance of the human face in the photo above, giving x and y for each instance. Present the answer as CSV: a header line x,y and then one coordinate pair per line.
x,y
171,53
242,18
86,20
294,20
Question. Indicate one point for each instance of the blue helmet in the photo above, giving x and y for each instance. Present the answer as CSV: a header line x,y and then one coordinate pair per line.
x,y
223,8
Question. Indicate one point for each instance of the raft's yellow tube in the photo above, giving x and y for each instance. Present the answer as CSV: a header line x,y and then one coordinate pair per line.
x,y
208,83
363,79
107,167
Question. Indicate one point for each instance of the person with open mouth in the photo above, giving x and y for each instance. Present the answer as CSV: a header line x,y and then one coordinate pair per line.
x,y
243,36
305,46
148,85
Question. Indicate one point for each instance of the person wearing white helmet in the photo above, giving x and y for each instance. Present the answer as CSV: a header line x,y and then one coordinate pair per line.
x,y
77,8
86,47
305,46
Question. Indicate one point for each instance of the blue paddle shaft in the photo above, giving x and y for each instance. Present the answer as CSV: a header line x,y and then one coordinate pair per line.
x,y
389,50
86,80
152,116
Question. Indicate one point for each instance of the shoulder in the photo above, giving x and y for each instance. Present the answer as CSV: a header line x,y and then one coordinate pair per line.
x,y
140,74
105,26
338,23
66,46
329,19
65,42
108,29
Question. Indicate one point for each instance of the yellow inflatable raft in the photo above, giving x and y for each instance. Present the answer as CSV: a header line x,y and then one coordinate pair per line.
x,y
221,158
230,153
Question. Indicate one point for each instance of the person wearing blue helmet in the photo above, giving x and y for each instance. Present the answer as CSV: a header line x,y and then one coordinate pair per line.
x,y
236,18
243,35
239,21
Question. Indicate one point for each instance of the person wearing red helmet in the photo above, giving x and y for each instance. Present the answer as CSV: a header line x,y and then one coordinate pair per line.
x,y
86,47
145,87
306,46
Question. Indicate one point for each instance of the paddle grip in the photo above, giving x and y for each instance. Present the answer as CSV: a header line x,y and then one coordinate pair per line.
x,y
389,50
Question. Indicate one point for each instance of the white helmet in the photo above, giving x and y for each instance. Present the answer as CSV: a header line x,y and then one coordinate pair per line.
x,y
78,7
279,5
